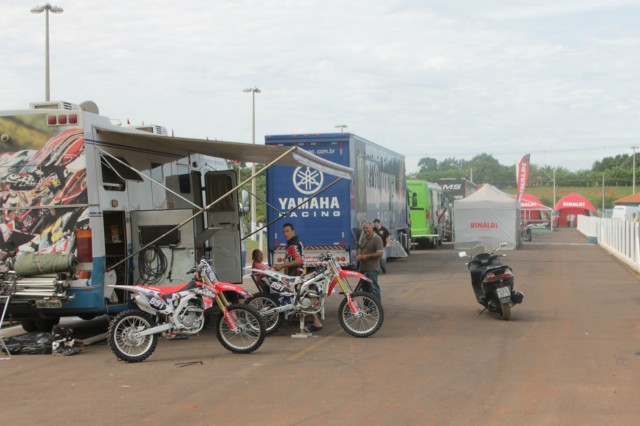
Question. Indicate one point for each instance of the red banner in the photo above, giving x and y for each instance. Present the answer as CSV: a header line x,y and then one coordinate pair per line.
x,y
523,176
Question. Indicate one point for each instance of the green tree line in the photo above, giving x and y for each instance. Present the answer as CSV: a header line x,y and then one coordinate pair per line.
x,y
484,168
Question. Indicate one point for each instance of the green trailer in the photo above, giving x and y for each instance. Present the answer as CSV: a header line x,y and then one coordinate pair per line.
x,y
428,216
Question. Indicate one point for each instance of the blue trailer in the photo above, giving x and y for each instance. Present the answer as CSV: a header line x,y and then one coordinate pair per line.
x,y
328,214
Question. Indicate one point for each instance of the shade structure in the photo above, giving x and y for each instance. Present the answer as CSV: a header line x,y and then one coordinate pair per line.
x,y
486,218
533,212
572,205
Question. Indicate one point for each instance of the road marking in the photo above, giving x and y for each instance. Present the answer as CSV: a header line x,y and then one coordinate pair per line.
x,y
314,346
563,244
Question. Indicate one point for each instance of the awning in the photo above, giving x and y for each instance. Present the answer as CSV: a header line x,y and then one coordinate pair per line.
x,y
245,152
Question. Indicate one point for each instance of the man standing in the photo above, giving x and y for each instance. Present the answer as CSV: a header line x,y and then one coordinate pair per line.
x,y
294,258
294,263
370,251
384,235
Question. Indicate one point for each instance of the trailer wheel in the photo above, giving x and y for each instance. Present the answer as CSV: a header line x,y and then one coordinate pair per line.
x,y
405,238
39,324
29,325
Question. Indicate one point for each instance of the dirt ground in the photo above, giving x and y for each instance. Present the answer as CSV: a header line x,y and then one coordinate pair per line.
x,y
569,355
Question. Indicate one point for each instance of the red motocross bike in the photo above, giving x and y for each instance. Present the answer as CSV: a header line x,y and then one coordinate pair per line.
x,y
181,310
281,296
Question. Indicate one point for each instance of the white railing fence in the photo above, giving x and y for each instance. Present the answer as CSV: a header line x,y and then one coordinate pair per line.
x,y
619,237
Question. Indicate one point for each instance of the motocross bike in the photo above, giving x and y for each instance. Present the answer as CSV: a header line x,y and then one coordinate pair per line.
x,y
492,283
180,310
360,313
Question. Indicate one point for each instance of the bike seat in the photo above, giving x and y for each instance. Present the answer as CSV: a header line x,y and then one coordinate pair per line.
x,y
171,289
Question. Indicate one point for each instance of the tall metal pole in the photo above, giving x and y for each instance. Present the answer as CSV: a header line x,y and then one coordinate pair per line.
x,y
47,89
633,184
46,9
253,166
554,188
602,195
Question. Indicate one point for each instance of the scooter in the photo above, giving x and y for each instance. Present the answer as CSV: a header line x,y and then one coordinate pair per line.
x,y
492,283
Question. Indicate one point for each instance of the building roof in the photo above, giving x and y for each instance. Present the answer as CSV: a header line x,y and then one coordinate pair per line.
x,y
629,199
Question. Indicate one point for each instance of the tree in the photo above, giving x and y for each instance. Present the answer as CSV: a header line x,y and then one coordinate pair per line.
x,y
428,165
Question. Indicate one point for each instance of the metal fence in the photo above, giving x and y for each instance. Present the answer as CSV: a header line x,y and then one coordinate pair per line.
x,y
619,237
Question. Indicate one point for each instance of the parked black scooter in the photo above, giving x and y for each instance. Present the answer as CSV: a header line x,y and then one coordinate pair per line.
x,y
492,283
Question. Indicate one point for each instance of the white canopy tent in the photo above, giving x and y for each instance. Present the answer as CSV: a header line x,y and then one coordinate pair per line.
x,y
487,217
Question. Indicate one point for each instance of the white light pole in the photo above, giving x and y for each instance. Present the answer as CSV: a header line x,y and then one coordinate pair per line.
x,y
633,185
53,9
253,166
341,127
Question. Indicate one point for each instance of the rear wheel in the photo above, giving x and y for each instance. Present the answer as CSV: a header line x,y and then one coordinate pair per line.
x,y
246,332
367,321
123,339
505,311
264,302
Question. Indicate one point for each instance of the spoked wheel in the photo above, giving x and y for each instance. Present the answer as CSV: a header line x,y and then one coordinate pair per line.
x,y
367,321
245,334
123,338
264,302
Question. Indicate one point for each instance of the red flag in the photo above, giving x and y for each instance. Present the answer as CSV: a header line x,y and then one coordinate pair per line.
x,y
523,176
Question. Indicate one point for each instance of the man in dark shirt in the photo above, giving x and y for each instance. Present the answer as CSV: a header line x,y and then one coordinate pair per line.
x,y
384,235
294,263
294,256
370,251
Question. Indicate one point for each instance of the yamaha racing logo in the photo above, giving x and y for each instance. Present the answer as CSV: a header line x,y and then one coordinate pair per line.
x,y
308,181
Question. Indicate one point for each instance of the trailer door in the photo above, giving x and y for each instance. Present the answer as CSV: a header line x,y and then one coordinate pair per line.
x,y
223,221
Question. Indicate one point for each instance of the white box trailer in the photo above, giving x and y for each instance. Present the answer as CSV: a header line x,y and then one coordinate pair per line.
x,y
113,204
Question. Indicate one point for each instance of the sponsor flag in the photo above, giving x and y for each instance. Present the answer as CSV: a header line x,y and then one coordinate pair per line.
x,y
523,176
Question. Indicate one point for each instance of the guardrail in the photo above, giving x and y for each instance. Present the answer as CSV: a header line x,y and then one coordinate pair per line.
x,y
619,237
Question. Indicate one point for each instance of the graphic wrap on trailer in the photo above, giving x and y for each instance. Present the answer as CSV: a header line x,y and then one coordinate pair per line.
x,y
328,215
128,206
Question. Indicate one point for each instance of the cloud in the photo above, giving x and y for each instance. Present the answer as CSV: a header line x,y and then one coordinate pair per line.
x,y
441,79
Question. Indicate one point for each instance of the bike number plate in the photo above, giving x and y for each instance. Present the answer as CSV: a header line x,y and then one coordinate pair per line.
x,y
503,292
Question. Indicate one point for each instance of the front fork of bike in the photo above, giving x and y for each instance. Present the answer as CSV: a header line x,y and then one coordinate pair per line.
x,y
347,292
222,302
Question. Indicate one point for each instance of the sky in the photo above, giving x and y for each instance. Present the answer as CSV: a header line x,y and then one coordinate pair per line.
x,y
426,78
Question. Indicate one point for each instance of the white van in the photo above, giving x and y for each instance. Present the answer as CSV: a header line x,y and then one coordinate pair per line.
x,y
624,212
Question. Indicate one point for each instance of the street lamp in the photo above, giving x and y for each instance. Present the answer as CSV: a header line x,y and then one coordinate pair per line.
x,y
633,185
53,9
341,127
253,167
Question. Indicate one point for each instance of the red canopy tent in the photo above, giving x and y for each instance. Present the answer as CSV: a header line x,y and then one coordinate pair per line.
x,y
533,211
572,204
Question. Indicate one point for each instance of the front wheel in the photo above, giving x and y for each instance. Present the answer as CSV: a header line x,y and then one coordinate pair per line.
x,y
367,321
245,331
264,302
123,339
